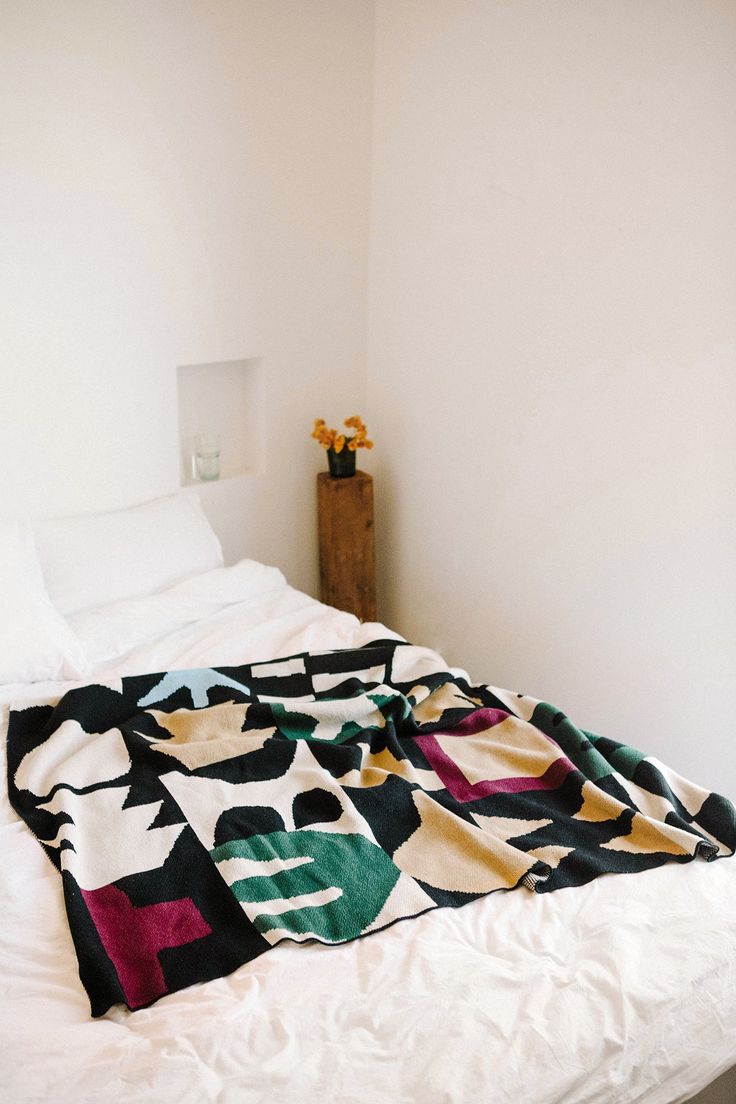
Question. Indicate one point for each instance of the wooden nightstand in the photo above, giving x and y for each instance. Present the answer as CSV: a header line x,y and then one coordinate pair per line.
x,y
347,557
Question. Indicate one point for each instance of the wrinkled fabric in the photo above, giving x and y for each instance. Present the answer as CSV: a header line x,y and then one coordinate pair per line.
x,y
200,817
577,997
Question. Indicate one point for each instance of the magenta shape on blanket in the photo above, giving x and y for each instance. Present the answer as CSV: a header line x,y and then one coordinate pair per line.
x,y
478,721
461,789
133,937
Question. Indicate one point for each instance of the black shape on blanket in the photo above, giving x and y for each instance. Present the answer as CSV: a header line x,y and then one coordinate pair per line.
x,y
198,818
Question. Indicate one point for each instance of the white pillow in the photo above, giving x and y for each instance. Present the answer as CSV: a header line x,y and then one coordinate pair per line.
x,y
109,632
96,559
36,644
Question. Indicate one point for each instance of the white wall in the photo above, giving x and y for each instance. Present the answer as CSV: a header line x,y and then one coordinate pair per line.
x,y
552,335
552,355
180,183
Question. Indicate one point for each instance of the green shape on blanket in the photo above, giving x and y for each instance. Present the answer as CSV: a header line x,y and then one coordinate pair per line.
x,y
625,760
622,758
575,743
352,873
393,705
350,730
293,725
580,746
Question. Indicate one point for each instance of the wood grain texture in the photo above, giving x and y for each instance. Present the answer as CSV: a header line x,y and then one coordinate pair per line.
x,y
347,556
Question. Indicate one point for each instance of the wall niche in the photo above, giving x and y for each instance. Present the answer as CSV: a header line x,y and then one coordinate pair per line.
x,y
221,405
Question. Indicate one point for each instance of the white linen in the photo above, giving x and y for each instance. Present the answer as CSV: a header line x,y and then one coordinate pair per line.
x,y
94,559
107,632
35,642
620,991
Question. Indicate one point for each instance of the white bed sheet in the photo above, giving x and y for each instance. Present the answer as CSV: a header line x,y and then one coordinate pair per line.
x,y
618,991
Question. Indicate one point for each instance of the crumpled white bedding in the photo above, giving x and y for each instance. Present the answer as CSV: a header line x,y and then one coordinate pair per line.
x,y
620,991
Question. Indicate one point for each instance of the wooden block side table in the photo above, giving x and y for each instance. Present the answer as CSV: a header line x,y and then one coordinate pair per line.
x,y
347,556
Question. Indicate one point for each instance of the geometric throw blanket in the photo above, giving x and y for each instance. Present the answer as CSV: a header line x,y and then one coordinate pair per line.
x,y
197,818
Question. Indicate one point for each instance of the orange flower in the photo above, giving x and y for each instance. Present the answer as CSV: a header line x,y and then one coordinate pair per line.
x,y
331,439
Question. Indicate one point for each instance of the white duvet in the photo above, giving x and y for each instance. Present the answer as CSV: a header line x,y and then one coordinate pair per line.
x,y
620,991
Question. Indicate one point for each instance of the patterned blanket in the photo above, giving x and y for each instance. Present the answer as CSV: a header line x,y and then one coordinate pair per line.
x,y
199,817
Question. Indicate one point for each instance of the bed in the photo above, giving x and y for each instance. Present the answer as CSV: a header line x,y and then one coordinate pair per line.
x,y
622,989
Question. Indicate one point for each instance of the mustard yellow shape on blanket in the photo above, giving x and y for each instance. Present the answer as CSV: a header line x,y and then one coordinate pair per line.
x,y
376,767
649,837
204,736
448,853
511,749
430,709
598,805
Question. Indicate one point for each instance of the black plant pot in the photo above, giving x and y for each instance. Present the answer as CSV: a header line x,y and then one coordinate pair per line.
x,y
342,463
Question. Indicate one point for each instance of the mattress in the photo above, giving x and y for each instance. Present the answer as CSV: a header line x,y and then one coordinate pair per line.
x,y
620,990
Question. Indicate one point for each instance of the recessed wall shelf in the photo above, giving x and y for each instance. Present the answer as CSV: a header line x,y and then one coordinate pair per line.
x,y
225,400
